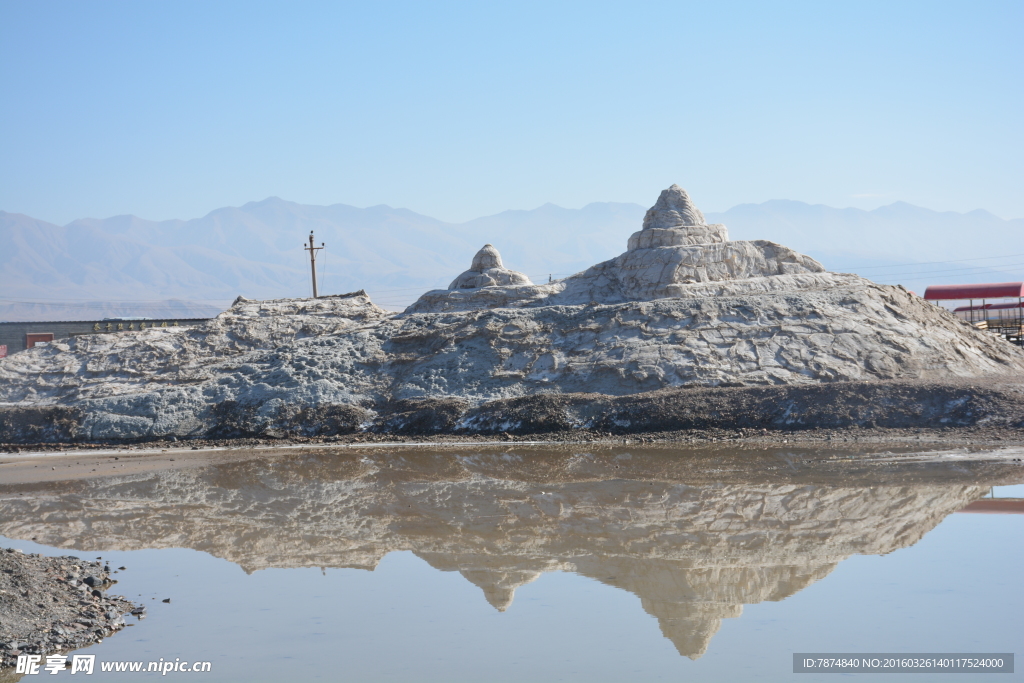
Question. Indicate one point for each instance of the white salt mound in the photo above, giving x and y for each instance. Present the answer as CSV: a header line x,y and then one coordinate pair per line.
x,y
682,305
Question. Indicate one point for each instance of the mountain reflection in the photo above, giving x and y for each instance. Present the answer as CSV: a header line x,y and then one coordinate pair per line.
x,y
695,535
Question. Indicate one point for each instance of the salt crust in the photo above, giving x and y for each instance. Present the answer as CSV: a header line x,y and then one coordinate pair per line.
x,y
680,313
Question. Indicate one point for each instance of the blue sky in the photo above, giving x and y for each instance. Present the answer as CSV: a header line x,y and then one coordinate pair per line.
x,y
457,110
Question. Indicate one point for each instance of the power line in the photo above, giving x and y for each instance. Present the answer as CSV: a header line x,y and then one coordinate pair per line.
x,y
931,273
910,279
396,295
107,301
929,263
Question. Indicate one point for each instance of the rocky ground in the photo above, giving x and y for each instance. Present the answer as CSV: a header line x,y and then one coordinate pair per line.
x,y
962,411
275,370
56,604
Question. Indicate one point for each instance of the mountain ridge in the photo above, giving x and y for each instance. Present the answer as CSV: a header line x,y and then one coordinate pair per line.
x,y
397,253
275,198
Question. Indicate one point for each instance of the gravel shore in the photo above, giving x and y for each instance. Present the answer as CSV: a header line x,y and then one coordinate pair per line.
x,y
56,604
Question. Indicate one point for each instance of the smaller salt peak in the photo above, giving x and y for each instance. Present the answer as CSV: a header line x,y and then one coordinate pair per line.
x,y
674,209
487,257
487,270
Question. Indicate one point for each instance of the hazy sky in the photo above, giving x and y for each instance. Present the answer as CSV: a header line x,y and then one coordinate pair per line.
x,y
457,110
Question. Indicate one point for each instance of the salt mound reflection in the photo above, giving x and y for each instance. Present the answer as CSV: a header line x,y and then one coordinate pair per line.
x,y
694,537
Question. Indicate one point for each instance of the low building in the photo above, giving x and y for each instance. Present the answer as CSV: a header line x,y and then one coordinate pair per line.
x,y
1005,317
15,336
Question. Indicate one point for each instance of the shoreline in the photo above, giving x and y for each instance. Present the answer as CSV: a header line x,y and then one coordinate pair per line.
x,y
56,604
943,436
44,466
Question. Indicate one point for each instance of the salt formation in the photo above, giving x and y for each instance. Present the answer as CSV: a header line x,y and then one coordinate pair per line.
x,y
682,306
675,248
693,553
488,271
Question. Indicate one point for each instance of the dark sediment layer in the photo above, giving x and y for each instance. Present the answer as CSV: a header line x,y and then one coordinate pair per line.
x,y
55,604
783,411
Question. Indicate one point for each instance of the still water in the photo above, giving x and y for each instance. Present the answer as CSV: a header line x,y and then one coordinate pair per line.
x,y
544,565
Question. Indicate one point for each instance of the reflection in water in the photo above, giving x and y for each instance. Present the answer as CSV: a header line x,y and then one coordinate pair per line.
x,y
694,535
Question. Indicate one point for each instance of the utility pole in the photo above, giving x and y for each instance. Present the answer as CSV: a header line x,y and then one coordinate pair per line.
x,y
312,259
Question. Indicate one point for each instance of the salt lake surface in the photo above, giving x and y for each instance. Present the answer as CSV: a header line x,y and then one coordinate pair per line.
x,y
533,564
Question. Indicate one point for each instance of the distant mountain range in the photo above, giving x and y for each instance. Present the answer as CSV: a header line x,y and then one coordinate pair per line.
x,y
130,266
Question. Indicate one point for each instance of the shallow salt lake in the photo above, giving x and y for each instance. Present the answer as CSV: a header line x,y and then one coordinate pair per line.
x,y
534,565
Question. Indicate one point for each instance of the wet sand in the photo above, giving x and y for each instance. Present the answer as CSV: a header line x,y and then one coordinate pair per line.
x,y
41,466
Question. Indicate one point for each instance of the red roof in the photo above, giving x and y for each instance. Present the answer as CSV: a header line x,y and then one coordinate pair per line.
x,y
1012,304
990,290
989,307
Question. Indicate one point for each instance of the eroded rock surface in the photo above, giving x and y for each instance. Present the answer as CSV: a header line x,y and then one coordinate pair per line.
x,y
683,306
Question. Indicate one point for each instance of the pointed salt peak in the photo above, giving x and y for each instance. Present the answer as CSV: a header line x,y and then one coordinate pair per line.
x,y
673,209
675,198
691,636
499,587
488,257
500,597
